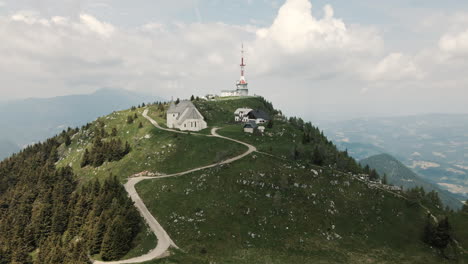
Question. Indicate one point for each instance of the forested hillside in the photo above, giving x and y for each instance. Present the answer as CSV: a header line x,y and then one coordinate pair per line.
x,y
46,216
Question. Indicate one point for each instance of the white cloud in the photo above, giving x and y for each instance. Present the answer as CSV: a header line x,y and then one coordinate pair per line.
x,y
455,43
102,28
299,44
395,67
296,58
295,30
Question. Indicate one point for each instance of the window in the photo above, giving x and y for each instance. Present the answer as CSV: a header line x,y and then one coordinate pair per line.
x,y
195,124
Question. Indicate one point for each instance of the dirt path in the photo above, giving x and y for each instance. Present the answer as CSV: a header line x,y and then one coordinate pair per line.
x,y
164,241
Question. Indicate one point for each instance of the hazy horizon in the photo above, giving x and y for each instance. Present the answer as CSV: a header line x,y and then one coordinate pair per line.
x,y
322,117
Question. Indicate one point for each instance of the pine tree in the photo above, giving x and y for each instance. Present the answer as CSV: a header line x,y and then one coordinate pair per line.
x,y
438,234
67,140
140,125
86,159
177,101
373,175
127,148
129,120
98,234
317,157
465,207
114,132
384,180
192,98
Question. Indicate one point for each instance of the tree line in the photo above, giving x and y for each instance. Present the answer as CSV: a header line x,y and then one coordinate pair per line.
x,y
47,216
104,150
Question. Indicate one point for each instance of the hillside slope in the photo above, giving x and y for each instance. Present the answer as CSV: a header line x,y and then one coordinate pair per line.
x,y
433,145
400,175
35,119
298,199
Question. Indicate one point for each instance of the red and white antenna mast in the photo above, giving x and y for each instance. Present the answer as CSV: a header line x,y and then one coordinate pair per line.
x,y
242,79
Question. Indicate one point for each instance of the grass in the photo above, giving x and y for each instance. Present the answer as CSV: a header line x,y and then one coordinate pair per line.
x,y
262,210
153,149
278,140
221,112
459,223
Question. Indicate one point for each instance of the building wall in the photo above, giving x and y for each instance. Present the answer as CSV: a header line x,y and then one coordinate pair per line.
x,y
242,90
248,130
171,119
228,93
193,125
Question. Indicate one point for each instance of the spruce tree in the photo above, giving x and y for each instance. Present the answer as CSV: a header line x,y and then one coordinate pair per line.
x,y
67,140
465,207
384,180
129,120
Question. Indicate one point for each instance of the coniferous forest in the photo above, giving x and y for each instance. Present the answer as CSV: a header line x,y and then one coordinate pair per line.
x,y
46,216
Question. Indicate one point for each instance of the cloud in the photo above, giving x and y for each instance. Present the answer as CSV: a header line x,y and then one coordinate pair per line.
x,y
454,43
307,43
103,29
395,67
61,55
297,59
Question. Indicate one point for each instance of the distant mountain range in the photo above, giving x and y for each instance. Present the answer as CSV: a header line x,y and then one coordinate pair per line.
x,y
400,175
434,145
32,120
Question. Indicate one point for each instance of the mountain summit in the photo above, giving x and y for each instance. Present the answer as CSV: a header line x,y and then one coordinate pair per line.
x,y
126,188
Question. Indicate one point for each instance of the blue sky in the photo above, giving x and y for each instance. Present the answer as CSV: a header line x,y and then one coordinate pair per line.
x,y
341,58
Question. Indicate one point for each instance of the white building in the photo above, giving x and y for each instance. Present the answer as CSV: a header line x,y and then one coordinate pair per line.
x,y
241,85
185,116
240,115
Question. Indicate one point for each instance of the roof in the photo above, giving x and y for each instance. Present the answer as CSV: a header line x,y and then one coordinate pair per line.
x,y
186,110
250,124
180,107
256,114
245,110
192,113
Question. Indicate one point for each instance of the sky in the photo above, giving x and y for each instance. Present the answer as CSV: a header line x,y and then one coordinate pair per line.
x,y
312,58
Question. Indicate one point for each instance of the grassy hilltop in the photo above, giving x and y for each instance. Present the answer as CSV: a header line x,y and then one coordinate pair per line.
x,y
297,200
277,206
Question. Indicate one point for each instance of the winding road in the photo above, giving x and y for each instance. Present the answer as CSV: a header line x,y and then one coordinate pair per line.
x,y
164,241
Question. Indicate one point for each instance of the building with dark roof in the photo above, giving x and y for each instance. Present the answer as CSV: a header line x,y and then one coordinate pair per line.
x,y
185,116
259,116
